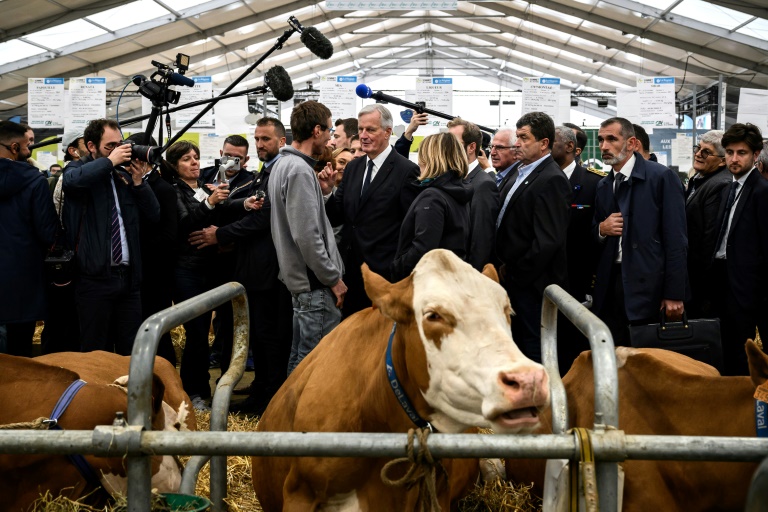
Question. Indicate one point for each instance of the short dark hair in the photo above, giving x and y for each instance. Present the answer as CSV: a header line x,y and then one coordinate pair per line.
x,y
627,130
642,136
10,132
743,132
350,125
354,138
178,150
305,116
272,121
581,136
238,141
541,124
471,133
95,129
54,165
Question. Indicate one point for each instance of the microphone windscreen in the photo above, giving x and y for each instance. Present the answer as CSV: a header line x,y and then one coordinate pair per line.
x,y
317,43
279,82
138,80
179,79
363,91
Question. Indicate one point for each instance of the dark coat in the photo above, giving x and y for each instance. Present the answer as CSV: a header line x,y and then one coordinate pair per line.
x,y
437,219
158,239
581,246
372,222
403,146
484,208
654,241
530,241
701,209
27,230
193,215
87,187
255,264
747,246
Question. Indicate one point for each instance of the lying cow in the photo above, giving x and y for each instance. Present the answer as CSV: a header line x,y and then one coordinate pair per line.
x,y
31,390
664,393
455,360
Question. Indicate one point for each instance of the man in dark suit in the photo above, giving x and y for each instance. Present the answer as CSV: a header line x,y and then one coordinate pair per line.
x,y
581,246
740,269
641,227
371,201
503,157
484,205
235,146
702,204
531,229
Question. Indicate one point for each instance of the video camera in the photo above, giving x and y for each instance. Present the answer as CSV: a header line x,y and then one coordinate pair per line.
x,y
156,88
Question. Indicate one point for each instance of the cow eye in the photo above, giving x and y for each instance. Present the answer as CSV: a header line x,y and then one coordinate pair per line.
x,y
433,317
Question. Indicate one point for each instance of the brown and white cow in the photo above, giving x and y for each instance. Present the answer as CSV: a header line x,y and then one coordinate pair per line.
x,y
664,393
455,359
30,390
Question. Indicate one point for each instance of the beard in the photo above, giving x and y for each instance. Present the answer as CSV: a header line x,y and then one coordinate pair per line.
x,y
618,158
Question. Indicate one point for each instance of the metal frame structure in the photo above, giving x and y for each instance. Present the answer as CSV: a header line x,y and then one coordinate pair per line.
x,y
137,443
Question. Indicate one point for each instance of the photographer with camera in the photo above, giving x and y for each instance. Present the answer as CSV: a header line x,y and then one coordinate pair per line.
x,y
106,195
28,229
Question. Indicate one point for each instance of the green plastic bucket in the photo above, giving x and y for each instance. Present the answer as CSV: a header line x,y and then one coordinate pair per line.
x,y
186,502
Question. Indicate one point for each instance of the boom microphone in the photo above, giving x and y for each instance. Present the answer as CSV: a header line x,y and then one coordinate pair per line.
x,y
315,42
365,92
279,82
179,79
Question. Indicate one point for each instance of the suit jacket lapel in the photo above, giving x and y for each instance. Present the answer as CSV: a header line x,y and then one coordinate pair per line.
x,y
526,183
356,171
749,184
381,175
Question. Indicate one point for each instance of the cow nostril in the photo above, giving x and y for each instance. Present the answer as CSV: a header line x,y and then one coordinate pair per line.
x,y
510,381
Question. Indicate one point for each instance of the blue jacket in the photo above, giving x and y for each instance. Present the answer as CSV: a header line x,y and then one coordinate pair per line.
x,y
654,240
87,188
27,229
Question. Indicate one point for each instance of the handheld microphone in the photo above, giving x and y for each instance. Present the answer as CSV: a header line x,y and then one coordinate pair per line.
x,y
315,42
365,92
279,82
179,79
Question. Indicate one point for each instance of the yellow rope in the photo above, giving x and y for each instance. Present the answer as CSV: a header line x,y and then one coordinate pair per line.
x,y
422,472
38,424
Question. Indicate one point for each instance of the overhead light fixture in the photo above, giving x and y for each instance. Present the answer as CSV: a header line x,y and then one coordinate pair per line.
x,y
574,102
494,103
508,102
602,103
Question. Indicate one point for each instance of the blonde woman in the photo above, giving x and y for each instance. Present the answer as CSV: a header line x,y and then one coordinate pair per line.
x,y
439,217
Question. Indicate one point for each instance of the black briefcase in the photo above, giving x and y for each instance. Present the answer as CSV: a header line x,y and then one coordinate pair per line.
x,y
698,339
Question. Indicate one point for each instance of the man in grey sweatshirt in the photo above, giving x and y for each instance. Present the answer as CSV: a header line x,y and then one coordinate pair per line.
x,y
310,263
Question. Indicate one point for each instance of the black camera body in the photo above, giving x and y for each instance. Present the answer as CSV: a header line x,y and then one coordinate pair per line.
x,y
150,154
260,194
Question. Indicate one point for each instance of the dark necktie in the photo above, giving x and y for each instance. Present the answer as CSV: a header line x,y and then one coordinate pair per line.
x,y
726,216
367,179
117,245
617,179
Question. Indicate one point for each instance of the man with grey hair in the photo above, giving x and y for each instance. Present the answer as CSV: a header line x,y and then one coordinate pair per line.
x,y
762,161
703,197
503,157
371,202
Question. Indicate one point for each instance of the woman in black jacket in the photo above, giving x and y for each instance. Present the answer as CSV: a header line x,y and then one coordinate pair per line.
x,y
196,205
439,217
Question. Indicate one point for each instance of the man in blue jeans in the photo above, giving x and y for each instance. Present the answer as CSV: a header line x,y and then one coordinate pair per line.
x,y
310,263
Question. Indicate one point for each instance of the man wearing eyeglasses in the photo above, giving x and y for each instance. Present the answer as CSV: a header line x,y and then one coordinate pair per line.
x,y
702,202
106,195
503,157
29,227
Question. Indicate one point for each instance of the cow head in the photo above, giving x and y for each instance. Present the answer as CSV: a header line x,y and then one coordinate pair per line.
x,y
475,374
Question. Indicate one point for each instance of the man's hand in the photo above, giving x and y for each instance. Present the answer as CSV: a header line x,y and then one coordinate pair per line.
x,y
120,155
339,290
138,169
204,238
674,308
253,203
416,121
327,179
612,226
483,159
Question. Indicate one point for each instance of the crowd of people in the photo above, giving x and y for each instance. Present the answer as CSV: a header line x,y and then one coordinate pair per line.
x,y
634,241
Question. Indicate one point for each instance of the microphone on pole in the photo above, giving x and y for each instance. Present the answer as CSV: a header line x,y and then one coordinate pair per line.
x,y
315,41
365,92
279,82
179,79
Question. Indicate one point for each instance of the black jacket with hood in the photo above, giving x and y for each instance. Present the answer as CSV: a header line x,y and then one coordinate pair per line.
x,y
437,219
27,230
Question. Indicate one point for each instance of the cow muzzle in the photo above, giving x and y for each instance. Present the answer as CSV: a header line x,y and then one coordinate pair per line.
x,y
524,394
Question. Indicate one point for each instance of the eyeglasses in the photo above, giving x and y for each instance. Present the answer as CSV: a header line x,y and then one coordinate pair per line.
x,y
499,148
705,153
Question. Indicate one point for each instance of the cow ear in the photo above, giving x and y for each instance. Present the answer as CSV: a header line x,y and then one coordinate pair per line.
x,y
490,271
758,363
395,300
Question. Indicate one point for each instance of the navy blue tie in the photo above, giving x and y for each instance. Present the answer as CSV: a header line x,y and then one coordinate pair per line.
x,y
367,179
